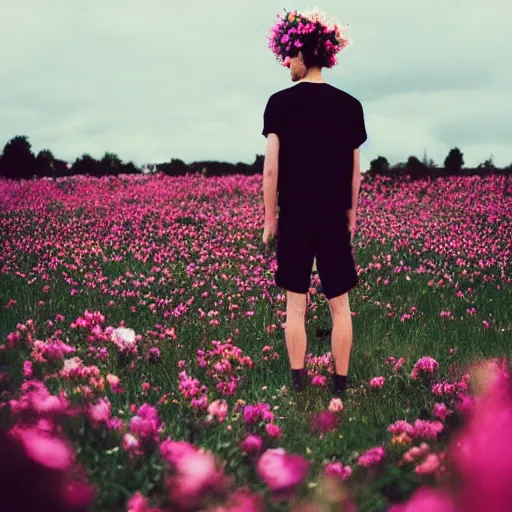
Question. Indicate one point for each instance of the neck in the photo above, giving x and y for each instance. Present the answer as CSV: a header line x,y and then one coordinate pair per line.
x,y
313,75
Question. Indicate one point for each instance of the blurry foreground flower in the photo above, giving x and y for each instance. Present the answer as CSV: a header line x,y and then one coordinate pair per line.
x,y
324,421
281,470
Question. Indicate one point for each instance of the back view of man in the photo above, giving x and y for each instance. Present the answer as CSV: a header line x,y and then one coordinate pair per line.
x,y
313,132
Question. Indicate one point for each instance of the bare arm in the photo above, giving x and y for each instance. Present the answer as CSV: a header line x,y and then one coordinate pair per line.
x,y
356,181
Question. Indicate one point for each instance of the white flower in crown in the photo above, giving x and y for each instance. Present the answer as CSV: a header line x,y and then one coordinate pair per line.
x,y
317,15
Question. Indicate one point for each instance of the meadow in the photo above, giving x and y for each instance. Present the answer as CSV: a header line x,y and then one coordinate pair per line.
x,y
142,344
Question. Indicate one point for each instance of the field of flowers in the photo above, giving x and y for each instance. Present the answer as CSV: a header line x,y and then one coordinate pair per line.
x,y
143,364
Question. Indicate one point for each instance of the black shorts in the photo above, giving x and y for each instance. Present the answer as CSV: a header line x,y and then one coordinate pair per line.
x,y
301,238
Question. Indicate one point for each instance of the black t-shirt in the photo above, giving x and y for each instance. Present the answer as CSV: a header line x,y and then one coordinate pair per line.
x,y
318,126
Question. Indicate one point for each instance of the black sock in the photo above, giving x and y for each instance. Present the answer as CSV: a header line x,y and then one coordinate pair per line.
x,y
339,383
298,379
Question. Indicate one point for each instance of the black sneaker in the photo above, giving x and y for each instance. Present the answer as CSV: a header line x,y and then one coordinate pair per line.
x,y
298,380
338,386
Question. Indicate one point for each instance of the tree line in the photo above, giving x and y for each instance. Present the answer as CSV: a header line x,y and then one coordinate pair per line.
x,y
17,161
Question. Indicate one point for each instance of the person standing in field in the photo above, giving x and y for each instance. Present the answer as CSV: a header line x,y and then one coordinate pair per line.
x,y
312,173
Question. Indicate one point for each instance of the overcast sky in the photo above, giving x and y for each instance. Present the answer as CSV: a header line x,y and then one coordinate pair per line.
x,y
163,79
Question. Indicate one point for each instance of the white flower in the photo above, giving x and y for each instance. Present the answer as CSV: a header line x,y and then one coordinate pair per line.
x,y
123,337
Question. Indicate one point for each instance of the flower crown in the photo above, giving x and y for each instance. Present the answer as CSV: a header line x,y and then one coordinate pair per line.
x,y
295,30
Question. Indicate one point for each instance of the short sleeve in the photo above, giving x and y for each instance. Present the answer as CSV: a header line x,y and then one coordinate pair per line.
x,y
359,134
271,118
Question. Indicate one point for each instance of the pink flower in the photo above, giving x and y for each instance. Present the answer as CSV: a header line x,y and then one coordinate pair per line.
x,y
195,474
241,501
401,426
324,421
377,382
399,364
427,429
45,448
251,444
371,457
441,411
426,499
416,452
273,430
114,382
27,368
218,409
429,465
319,380
153,355
130,443
338,470
335,405
100,412
253,413
424,366
198,469
172,451
138,503
280,470
482,452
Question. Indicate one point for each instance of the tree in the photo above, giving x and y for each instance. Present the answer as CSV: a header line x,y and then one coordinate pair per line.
x,y
258,164
415,168
86,165
379,166
45,164
111,164
488,165
454,161
130,168
18,161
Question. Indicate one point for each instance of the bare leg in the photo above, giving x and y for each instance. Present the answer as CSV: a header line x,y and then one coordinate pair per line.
x,y
341,337
295,331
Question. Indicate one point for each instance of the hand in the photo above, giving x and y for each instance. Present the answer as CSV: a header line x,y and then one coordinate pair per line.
x,y
270,230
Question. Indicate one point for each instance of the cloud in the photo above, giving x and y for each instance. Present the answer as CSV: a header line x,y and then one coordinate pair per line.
x,y
190,80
